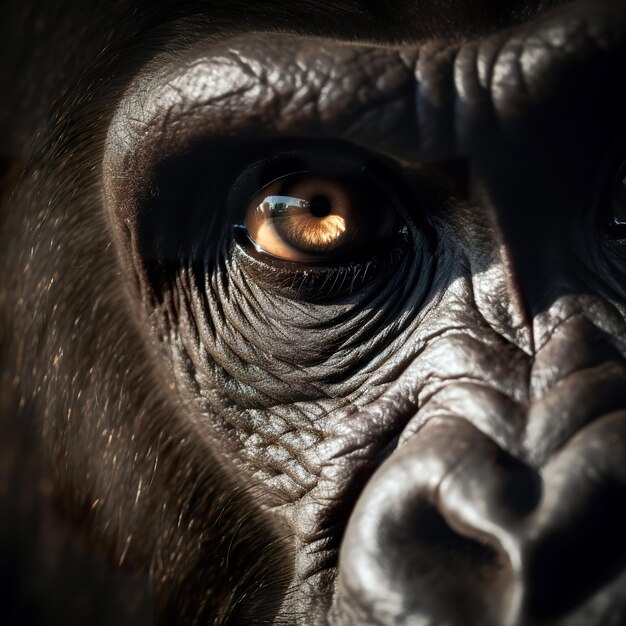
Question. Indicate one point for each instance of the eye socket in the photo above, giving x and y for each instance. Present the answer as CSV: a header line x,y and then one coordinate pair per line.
x,y
304,218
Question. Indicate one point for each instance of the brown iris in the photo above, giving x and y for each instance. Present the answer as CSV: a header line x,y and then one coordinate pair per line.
x,y
305,218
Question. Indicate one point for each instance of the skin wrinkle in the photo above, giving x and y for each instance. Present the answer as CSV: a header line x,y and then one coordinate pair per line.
x,y
547,325
597,350
317,348
278,325
218,325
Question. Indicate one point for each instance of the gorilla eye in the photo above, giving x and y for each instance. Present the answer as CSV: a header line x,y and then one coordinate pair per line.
x,y
306,218
317,220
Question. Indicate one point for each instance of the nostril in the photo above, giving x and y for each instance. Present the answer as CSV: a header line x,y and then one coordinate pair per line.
x,y
571,562
575,544
443,573
442,545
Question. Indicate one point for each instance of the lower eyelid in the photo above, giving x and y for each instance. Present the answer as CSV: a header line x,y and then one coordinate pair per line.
x,y
317,280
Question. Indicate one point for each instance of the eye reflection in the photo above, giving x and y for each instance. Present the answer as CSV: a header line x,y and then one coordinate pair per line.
x,y
305,218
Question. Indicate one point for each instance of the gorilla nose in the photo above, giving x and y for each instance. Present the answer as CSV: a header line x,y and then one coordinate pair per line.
x,y
454,530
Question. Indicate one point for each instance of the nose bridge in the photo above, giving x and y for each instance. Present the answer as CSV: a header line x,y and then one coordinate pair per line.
x,y
537,213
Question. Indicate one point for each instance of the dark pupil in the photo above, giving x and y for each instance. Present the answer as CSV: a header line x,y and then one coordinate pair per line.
x,y
319,206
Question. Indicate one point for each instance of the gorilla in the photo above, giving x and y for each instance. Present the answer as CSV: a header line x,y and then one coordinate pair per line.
x,y
226,400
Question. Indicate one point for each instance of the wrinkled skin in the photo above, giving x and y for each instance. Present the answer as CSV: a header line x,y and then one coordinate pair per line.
x,y
435,436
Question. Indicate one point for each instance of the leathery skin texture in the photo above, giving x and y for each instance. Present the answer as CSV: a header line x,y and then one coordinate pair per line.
x,y
432,435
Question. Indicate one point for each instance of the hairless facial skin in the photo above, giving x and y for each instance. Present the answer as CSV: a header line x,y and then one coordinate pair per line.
x,y
313,313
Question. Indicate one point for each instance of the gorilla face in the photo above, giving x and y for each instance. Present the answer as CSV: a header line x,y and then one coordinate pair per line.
x,y
325,322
